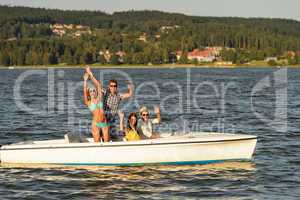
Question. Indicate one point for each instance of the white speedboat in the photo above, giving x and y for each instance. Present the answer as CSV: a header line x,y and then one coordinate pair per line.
x,y
193,148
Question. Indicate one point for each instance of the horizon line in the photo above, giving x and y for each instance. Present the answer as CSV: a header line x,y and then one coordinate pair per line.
x,y
135,10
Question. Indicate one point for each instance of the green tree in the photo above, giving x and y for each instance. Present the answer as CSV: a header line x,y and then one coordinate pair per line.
x,y
102,60
53,58
35,58
272,63
115,60
46,59
128,59
140,58
67,56
5,59
21,54
195,61
28,58
229,55
297,58
88,58
82,60
183,58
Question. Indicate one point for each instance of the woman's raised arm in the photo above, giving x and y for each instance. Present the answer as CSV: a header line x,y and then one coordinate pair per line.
x,y
85,90
96,83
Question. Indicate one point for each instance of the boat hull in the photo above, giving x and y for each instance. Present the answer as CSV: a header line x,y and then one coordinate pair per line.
x,y
189,150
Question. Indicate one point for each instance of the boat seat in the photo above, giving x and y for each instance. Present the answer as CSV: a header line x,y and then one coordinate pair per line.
x,y
26,142
75,138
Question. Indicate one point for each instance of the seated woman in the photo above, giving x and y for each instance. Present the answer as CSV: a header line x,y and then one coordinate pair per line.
x,y
131,133
93,99
145,123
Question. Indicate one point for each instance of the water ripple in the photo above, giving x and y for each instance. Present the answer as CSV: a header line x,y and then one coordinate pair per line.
x,y
273,173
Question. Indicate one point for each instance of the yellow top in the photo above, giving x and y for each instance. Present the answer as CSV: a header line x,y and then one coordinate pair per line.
x,y
132,135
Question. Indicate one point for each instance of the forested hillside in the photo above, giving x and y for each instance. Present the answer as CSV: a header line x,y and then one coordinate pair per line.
x,y
33,36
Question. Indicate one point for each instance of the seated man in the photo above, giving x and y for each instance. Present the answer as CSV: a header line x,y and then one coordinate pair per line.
x,y
145,123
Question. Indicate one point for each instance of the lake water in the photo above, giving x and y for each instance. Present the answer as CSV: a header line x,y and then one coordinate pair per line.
x,y
45,104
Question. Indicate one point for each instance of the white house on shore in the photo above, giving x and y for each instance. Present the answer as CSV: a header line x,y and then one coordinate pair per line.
x,y
271,58
208,54
201,55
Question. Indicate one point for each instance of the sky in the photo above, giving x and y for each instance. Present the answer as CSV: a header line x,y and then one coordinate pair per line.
x,y
288,9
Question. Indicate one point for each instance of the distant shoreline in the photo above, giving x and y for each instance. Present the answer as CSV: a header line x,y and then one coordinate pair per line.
x,y
163,66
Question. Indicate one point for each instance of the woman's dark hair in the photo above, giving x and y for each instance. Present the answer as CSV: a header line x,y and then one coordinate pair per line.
x,y
128,122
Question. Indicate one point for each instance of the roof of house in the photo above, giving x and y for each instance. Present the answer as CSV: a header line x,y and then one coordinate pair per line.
x,y
199,53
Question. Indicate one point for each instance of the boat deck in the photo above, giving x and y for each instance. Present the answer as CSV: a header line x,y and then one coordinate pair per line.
x,y
199,137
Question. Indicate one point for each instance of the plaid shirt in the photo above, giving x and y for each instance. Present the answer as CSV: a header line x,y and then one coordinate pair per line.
x,y
111,103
